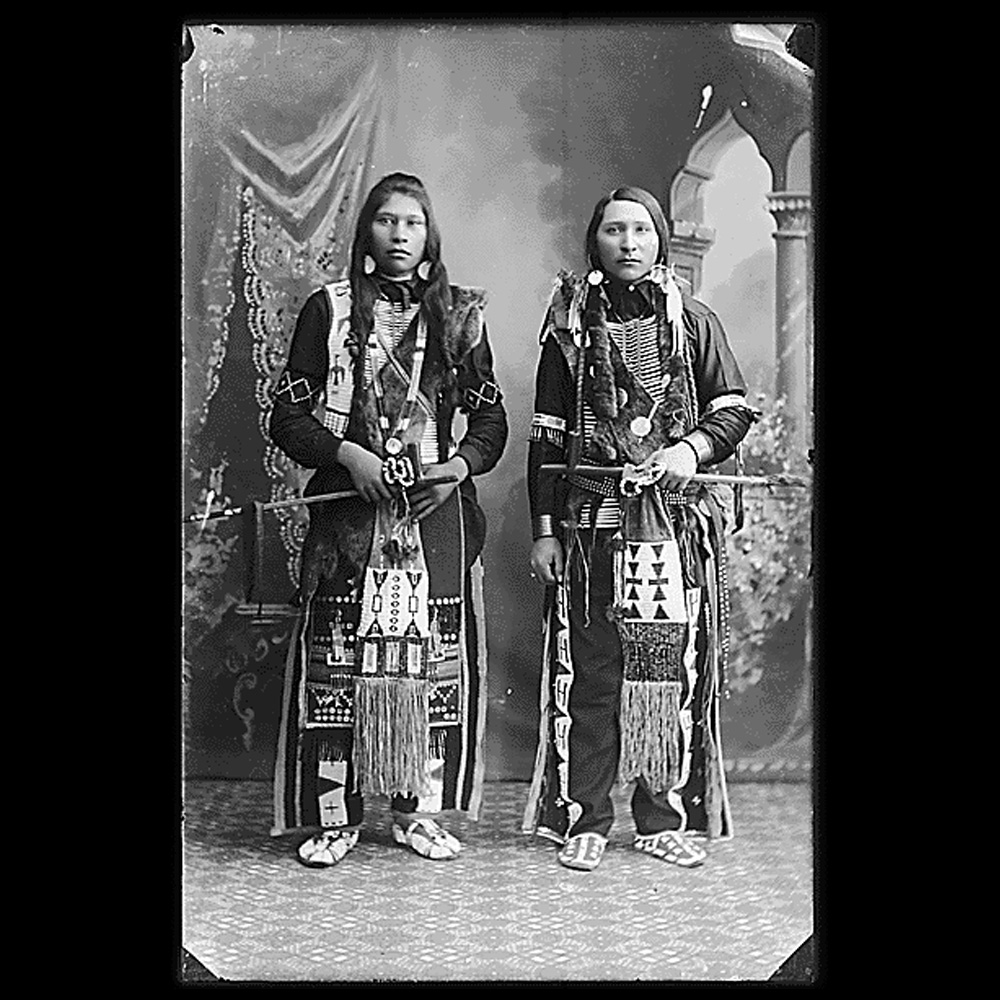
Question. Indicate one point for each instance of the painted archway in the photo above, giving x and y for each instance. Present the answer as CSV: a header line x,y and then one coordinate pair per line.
x,y
690,238
768,719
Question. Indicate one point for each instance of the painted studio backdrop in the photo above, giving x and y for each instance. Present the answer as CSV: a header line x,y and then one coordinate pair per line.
x,y
516,131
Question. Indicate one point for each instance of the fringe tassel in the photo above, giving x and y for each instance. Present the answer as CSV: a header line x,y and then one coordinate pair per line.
x,y
688,534
438,743
617,546
575,310
585,557
549,435
391,735
738,509
574,443
713,781
651,745
575,560
327,751
714,765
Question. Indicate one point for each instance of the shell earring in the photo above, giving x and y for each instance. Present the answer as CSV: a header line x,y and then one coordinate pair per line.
x,y
595,277
369,264
658,275
424,270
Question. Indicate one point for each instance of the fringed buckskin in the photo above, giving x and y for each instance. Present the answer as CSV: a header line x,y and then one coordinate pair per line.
x,y
651,743
391,734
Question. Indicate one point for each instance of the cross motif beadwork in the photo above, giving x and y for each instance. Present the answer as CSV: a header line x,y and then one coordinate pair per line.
x,y
487,393
289,387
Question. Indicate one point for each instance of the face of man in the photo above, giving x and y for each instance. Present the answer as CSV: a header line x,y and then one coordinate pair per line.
x,y
627,243
399,235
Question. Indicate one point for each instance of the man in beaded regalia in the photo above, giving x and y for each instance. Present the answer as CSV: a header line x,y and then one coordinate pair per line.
x,y
637,375
385,688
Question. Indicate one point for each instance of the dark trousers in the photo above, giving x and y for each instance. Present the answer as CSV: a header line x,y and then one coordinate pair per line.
x,y
594,697
319,780
397,804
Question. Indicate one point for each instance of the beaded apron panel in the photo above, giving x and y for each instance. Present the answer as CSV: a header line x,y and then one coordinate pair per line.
x,y
332,664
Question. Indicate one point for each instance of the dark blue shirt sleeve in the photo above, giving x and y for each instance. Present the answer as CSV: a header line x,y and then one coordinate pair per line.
x,y
482,402
294,426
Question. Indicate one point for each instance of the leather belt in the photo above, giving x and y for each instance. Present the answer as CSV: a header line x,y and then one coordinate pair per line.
x,y
607,486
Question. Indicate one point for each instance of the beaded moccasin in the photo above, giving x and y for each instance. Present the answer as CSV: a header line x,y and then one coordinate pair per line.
x,y
583,852
327,848
673,847
428,839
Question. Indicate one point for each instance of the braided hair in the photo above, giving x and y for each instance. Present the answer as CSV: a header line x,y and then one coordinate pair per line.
x,y
594,310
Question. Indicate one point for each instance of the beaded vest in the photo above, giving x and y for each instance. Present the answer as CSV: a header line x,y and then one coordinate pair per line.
x,y
391,320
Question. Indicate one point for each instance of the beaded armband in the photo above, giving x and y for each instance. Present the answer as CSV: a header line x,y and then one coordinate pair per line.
x,y
295,390
487,394
545,427
730,399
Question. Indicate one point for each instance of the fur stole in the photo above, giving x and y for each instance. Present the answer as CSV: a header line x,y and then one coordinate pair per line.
x,y
614,394
446,348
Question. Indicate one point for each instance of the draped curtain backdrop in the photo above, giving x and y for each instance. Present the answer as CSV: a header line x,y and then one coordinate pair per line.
x,y
277,164
516,131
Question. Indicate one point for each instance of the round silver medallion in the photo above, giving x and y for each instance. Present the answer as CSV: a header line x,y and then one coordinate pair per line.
x,y
394,446
641,426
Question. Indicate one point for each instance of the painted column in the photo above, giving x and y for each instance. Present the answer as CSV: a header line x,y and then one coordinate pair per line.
x,y
792,213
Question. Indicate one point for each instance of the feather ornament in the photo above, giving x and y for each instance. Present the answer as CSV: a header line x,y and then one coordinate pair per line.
x,y
667,278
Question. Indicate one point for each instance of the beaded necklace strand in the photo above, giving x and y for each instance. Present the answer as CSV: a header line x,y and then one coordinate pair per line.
x,y
392,441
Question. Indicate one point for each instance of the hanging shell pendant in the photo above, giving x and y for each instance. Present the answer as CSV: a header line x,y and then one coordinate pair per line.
x,y
394,446
641,426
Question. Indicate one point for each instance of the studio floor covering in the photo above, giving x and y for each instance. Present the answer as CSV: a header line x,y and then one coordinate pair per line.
x,y
504,909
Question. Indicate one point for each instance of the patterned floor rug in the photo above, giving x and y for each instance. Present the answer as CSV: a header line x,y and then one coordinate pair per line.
x,y
504,909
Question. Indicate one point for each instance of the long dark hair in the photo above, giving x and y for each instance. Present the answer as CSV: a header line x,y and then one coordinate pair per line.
x,y
436,301
594,315
594,310
647,201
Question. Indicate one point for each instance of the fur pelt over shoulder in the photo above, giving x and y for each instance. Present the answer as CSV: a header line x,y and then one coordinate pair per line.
x,y
446,348
341,531
615,395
